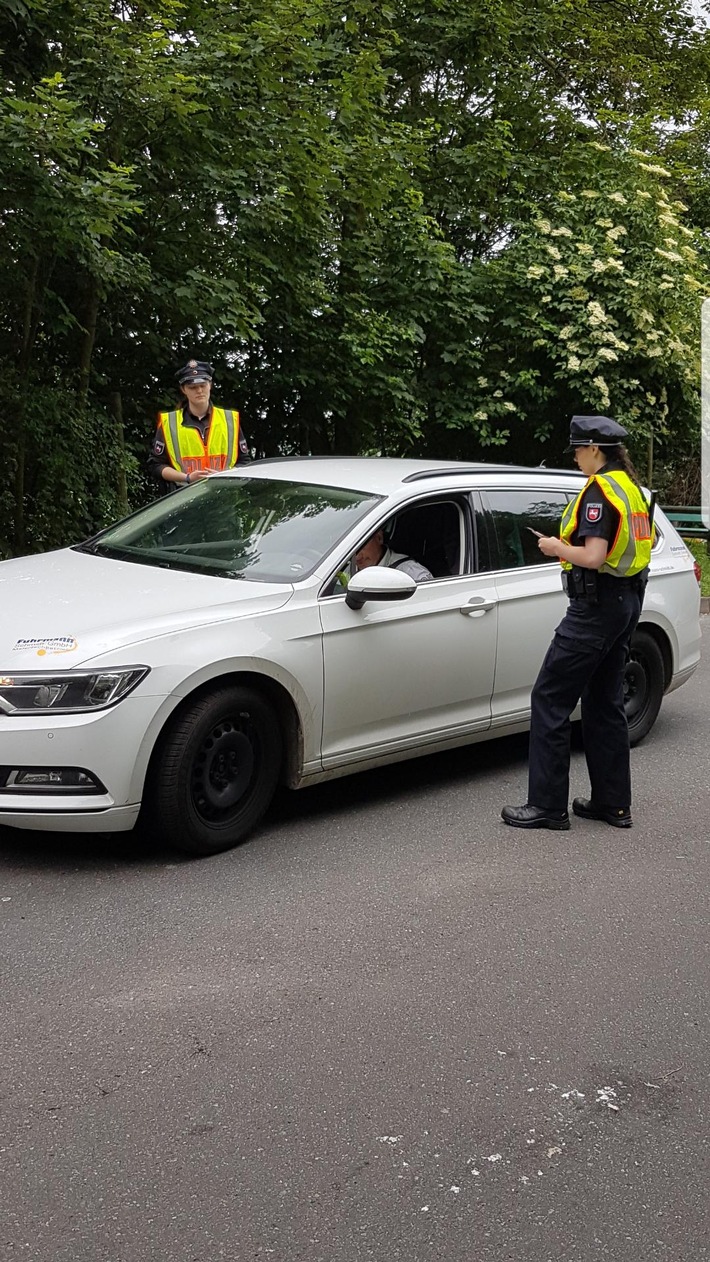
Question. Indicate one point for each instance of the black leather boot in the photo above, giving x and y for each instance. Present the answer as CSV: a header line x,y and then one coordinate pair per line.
x,y
586,809
534,817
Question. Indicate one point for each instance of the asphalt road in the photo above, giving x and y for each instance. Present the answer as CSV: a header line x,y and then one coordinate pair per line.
x,y
389,1027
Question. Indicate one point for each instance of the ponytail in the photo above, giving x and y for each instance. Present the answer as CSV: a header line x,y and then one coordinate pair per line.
x,y
620,455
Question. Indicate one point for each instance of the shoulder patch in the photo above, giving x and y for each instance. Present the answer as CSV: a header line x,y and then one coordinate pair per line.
x,y
593,512
158,446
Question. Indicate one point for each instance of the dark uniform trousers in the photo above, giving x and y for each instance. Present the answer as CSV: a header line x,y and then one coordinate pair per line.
x,y
586,661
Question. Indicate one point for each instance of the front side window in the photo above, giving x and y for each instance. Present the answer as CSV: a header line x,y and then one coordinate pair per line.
x,y
260,529
513,516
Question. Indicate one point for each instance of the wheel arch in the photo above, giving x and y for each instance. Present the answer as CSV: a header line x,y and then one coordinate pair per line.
x,y
663,641
273,690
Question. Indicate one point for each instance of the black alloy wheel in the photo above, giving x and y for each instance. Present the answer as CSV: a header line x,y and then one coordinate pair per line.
x,y
216,770
644,684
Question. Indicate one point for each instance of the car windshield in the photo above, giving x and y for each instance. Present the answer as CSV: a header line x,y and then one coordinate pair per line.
x,y
261,529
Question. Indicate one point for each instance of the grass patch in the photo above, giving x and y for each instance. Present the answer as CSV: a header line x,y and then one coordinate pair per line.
x,y
699,549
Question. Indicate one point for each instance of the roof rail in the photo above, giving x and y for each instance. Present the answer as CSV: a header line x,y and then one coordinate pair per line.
x,y
458,470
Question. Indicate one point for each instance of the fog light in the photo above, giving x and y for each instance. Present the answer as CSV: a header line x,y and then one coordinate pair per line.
x,y
72,780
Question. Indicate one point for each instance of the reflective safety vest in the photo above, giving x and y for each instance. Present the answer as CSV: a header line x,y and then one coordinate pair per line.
x,y
186,450
630,551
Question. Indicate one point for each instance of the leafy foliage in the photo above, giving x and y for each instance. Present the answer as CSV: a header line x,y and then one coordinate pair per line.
x,y
396,228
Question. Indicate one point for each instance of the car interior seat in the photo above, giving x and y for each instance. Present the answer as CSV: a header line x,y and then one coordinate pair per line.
x,y
431,534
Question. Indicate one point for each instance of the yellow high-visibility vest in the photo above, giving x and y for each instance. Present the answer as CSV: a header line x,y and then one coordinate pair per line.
x,y
630,551
186,450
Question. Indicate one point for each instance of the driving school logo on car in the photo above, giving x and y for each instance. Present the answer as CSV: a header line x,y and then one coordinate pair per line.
x,y
593,512
47,646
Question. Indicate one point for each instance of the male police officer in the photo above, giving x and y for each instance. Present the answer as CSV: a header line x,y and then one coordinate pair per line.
x,y
605,549
195,439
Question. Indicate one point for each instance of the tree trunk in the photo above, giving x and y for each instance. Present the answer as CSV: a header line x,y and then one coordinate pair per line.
x,y
24,355
116,409
86,349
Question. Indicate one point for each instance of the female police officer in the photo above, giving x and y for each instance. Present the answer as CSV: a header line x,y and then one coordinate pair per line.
x,y
605,550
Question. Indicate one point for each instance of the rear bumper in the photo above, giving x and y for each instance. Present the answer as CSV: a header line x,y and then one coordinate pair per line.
x,y
681,677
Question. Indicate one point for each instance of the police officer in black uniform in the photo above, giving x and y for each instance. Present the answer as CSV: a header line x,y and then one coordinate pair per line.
x,y
195,413
605,549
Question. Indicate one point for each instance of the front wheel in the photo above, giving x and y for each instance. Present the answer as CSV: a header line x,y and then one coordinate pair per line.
x,y
644,683
215,771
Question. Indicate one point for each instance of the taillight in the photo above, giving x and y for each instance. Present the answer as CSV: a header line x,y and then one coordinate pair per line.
x,y
698,571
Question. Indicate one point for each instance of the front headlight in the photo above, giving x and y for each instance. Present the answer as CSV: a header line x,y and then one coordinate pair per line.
x,y
67,691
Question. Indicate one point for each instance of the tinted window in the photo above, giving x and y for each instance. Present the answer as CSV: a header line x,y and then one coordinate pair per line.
x,y
512,512
256,528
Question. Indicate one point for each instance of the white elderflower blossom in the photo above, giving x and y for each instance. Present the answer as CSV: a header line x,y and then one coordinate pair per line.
x,y
589,192
630,281
566,332
483,382
605,352
669,254
573,363
602,148
597,314
654,351
480,416
654,169
670,242
668,221
604,223
584,248
665,284
553,251
497,394
600,383
619,231
535,272
598,265
566,197
614,265
543,225
679,206
686,231
562,232
642,192
560,272
546,298
509,407
617,197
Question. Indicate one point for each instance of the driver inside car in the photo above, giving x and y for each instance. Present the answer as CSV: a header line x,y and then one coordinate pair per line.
x,y
375,551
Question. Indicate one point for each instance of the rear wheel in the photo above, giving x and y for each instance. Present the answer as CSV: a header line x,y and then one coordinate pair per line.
x,y
215,771
644,684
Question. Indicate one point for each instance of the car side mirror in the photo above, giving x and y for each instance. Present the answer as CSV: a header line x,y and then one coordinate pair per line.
x,y
378,582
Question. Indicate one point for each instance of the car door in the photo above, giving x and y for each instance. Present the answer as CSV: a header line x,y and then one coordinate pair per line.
x,y
529,589
413,672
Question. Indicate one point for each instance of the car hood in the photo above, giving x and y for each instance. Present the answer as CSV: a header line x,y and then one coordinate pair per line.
x,y
63,608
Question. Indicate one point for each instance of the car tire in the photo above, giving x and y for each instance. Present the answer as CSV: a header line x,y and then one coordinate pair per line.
x,y
644,685
216,771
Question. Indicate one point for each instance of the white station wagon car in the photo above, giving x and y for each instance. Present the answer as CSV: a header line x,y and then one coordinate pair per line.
x,y
181,664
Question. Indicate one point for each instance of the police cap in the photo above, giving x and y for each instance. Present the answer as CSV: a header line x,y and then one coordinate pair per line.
x,y
194,372
599,431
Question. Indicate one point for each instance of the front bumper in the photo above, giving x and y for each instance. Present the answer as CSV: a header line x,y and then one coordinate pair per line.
x,y
114,745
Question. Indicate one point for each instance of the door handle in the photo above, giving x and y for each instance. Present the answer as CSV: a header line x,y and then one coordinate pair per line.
x,y
477,606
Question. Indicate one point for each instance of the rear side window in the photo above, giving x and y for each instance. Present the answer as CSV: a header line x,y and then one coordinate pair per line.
x,y
513,515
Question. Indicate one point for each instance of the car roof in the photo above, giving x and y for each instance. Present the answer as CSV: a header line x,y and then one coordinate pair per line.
x,y
382,475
